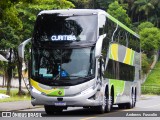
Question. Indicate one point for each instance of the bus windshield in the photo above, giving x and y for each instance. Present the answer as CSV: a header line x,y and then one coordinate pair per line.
x,y
57,27
59,64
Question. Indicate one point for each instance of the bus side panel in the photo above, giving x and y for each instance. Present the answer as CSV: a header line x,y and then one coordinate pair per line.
x,y
120,77
121,90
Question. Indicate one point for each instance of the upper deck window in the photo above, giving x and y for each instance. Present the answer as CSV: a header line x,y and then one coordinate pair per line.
x,y
59,28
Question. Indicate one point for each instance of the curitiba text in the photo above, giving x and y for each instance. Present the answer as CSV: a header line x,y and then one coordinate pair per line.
x,y
63,37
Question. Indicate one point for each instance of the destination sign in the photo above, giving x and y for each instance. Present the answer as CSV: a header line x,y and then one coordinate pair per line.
x,y
63,38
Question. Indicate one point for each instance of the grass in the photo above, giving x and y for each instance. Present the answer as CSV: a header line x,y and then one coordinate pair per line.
x,y
152,83
14,96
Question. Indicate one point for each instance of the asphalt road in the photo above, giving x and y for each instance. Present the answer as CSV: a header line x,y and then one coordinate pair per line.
x,y
146,109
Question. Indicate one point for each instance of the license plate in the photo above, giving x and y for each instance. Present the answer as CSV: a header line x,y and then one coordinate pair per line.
x,y
60,104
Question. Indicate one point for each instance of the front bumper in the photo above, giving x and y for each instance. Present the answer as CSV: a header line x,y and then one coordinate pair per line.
x,y
85,98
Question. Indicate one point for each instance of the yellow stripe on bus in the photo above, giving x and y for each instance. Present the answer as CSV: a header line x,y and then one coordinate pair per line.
x,y
128,56
114,51
35,85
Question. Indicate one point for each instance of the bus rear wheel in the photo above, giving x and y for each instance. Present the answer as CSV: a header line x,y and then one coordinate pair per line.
x,y
129,105
132,102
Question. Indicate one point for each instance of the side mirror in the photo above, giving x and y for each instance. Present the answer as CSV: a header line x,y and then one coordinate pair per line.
x,y
21,48
2,58
98,48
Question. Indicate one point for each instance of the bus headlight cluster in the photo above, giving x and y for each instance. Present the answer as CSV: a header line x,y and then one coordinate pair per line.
x,y
35,90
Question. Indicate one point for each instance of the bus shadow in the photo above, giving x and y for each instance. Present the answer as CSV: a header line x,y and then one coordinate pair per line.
x,y
81,112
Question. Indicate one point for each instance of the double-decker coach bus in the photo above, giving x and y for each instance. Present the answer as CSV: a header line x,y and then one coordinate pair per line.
x,y
82,57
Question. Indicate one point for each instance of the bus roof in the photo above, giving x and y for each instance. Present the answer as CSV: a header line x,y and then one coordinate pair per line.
x,y
122,25
70,12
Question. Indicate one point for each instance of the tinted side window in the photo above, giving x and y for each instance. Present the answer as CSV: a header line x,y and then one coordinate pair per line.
x,y
120,71
121,36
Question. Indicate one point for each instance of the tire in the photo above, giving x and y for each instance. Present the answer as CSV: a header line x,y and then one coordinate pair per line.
x,y
101,109
134,100
106,105
131,104
50,109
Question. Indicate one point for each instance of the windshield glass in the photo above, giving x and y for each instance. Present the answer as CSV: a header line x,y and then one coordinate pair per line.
x,y
57,27
59,64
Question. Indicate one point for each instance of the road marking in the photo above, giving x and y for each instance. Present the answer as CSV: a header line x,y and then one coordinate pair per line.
x,y
88,118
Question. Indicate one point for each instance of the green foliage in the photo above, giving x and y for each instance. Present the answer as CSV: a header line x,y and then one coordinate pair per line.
x,y
152,83
150,39
17,19
150,89
14,96
9,39
145,64
81,3
104,3
3,67
48,5
154,76
10,16
28,13
145,5
119,13
145,25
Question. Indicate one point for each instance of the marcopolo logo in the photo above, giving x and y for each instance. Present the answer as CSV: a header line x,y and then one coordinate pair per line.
x,y
63,38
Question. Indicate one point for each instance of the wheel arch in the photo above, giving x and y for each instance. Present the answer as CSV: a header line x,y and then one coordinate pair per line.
x,y
135,91
112,94
110,90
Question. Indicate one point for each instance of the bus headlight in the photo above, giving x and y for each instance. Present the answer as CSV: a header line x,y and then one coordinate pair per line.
x,y
35,90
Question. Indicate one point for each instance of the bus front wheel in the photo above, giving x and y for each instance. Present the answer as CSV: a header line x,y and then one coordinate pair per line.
x,y
106,105
102,108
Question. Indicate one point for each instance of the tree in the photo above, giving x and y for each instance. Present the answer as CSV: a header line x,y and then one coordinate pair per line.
x,y
119,13
79,4
9,25
155,17
16,23
149,37
145,64
143,7
28,12
145,25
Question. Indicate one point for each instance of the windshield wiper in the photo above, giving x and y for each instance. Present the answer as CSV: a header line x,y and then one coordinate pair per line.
x,y
57,76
